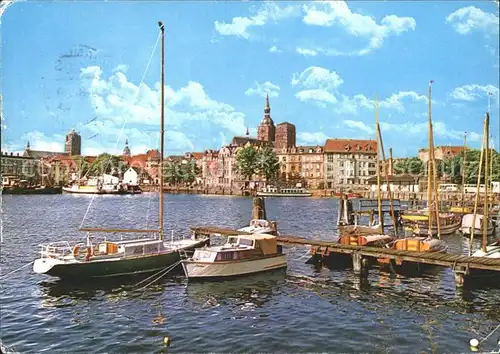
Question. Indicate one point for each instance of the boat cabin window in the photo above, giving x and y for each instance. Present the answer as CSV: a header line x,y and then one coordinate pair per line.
x,y
246,242
232,240
225,256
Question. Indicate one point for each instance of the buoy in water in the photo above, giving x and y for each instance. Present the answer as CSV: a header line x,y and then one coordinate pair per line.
x,y
166,341
473,344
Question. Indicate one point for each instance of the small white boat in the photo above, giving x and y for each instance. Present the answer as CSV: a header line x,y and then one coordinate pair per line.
x,y
492,251
241,255
100,189
467,220
260,226
283,192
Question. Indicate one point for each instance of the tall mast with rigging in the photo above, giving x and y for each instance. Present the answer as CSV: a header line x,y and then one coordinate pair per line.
x,y
486,182
162,126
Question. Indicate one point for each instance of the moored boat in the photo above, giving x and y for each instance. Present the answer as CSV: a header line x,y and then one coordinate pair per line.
x,y
260,226
32,190
418,223
124,257
241,255
416,244
110,258
468,221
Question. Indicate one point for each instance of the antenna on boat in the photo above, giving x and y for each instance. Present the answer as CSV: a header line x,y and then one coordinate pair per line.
x,y
162,127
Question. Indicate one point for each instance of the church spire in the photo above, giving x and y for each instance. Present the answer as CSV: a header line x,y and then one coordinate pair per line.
x,y
126,149
247,133
267,113
28,145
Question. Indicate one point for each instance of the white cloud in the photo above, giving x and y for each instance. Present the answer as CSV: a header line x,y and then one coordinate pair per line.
x,y
470,18
356,124
122,68
329,13
306,52
39,141
274,49
395,101
306,138
317,77
440,130
118,102
320,97
263,89
473,92
267,13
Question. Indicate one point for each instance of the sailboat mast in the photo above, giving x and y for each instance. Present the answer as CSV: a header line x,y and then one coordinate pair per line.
x,y
464,167
379,201
429,163
486,183
162,125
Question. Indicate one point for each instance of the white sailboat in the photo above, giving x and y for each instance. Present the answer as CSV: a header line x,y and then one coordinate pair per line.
x,y
123,257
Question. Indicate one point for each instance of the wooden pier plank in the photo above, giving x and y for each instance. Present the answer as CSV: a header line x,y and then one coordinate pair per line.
x,y
436,258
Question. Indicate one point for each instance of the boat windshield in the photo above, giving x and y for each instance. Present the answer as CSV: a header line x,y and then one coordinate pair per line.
x,y
246,242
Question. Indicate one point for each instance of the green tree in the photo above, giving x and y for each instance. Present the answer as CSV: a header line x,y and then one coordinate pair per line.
x,y
189,171
172,173
412,165
246,162
106,163
267,163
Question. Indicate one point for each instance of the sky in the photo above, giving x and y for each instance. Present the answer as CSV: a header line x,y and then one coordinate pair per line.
x,y
95,67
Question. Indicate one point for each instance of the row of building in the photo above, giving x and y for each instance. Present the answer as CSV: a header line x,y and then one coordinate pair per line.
x,y
337,164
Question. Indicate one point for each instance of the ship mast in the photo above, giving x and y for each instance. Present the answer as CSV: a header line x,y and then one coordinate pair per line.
x,y
162,127
486,182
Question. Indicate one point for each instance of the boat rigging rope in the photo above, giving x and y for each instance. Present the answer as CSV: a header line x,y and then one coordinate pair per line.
x,y
125,118
159,275
497,327
18,269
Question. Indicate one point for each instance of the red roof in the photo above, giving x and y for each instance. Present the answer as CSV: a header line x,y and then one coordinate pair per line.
x,y
197,155
351,145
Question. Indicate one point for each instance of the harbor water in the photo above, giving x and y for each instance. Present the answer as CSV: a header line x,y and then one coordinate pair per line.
x,y
302,310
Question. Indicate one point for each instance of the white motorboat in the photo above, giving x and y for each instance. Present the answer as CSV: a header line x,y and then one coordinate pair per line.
x,y
241,255
260,226
468,220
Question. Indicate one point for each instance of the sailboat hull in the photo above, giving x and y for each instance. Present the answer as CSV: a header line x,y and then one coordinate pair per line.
x,y
110,267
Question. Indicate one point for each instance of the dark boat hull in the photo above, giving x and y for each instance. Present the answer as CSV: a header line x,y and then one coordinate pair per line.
x,y
54,190
119,267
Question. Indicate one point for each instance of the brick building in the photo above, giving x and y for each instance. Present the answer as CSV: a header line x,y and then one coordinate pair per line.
x,y
301,164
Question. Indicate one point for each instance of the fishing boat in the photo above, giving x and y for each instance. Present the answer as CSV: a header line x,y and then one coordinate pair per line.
x,y
468,221
241,255
124,257
418,222
422,222
270,191
372,234
31,190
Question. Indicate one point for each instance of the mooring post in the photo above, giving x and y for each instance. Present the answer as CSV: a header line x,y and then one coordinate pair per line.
x,y
359,264
461,273
259,209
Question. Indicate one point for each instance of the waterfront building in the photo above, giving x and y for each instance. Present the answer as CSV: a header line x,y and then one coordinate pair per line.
x,y
349,163
131,177
301,164
16,167
441,152
147,164
210,167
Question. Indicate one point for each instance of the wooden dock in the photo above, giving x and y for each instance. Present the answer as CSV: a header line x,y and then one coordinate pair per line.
x,y
461,265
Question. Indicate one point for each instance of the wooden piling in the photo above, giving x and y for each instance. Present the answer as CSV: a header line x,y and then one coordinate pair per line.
x,y
259,209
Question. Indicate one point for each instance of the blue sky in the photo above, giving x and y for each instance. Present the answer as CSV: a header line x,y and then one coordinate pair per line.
x,y
79,65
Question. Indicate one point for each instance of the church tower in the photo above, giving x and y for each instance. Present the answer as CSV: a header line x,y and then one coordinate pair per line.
x,y
126,149
267,130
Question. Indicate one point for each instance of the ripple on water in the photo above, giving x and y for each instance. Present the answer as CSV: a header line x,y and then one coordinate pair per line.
x,y
305,311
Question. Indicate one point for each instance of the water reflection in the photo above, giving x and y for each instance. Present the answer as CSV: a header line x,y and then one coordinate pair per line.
x,y
247,292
